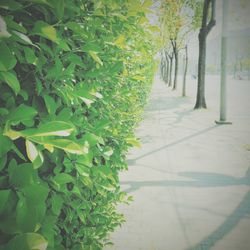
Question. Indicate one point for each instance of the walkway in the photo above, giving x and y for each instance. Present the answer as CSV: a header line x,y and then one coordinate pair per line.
x,y
191,178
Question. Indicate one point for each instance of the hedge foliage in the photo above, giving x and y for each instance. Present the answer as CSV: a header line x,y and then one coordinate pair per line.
x,y
74,76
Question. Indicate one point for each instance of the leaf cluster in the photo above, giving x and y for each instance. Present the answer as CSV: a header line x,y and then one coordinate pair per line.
x,y
74,77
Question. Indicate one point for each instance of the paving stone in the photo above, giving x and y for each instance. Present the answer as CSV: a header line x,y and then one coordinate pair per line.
x,y
191,178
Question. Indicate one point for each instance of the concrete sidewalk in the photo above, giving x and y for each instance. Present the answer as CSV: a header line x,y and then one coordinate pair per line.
x,y
191,178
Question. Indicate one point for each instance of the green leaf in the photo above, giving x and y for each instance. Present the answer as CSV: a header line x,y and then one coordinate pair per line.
x,y
95,57
3,161
147,3
5,144
10,5
4,111
24,38
53,128
84,93
45,30
36,193
64,144
41,2
34,155
11,79
21,175
91,47
7,60
133,141
102,124
12,25
4,196
3,29
82,170
63,45
18,152
93,139
56,203
63,178
58,8
28,241
108,151
21,113
75,59
85,160
50,104
31,207
30,55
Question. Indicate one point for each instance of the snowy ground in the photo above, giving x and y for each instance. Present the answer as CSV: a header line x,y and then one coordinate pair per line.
x,y
190,179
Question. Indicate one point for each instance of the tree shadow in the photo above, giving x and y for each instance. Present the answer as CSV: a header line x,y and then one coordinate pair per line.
x,y
166,103
174,143
199,179
206,180
242,210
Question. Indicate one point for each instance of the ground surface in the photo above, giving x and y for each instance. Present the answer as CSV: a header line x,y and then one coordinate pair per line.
x,y
191,178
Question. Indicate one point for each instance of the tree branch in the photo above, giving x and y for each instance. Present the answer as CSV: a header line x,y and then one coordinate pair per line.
x,y
212,21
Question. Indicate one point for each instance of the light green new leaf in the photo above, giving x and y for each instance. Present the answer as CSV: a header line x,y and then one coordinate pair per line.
x,y
45,30
133,141
147,4
64,144
63,178
28,241
11,79
95,57
34,155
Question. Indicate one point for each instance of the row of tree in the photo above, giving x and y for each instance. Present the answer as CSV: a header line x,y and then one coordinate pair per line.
x,y
178,20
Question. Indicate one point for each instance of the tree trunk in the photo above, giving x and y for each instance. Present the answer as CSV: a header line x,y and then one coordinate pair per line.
x,y
175,68
170,70
205,29
200,97
166,68
185,72
162,66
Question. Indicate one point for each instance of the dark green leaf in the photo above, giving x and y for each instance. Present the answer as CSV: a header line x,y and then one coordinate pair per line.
x,y
7,60
21,113
11,79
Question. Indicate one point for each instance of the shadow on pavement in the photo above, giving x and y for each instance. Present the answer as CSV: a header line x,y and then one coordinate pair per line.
x,y
203,180
133,161
166,103
242,210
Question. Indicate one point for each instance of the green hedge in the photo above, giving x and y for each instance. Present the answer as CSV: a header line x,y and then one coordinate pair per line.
x,y
74,76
